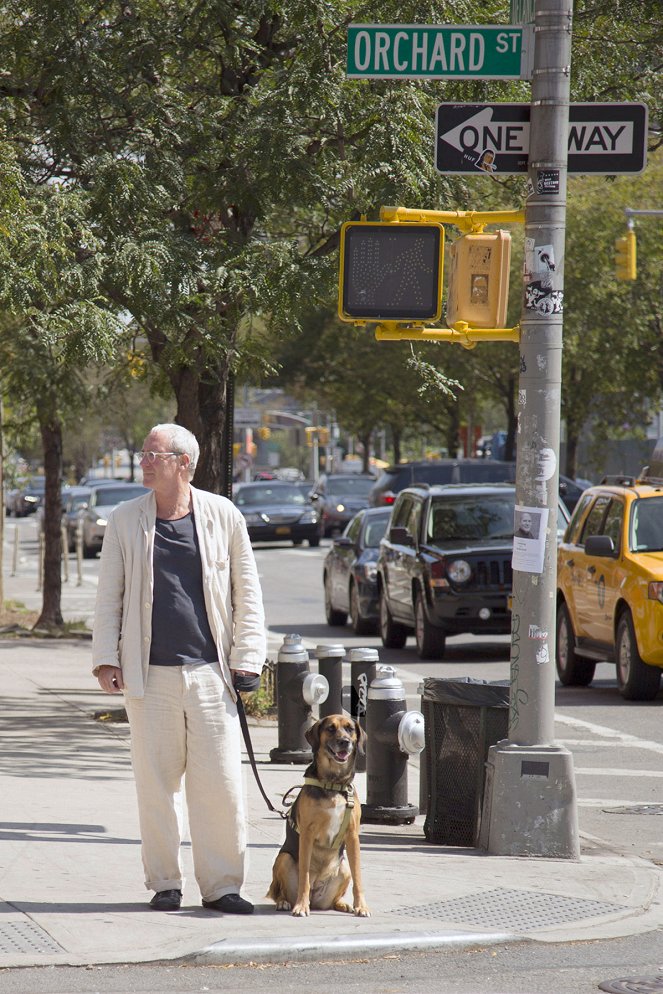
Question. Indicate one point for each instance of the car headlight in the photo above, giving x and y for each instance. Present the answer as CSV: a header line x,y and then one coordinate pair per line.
x,y
253,519
655,591
371,571
340,507
102,522
308,518
459,571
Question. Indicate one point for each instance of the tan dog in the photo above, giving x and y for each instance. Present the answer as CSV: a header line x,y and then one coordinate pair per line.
x,y
312,870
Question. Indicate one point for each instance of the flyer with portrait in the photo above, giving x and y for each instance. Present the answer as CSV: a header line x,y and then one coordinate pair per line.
x,y
529,538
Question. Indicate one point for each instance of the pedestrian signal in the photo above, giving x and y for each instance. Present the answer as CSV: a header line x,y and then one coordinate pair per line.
x,y
391,271
625,258
478,289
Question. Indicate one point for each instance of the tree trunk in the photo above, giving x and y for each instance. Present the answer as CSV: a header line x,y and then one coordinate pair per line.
x,y
571,461
201,407
366,456
396,443
51,610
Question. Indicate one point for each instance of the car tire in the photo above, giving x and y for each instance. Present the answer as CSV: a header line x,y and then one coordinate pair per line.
x,y
360,626
334,618
393,635
636,680
314,542
572,669
431,640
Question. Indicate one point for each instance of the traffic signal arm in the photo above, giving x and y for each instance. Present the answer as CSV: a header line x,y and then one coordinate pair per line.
x,y
466,221
461,333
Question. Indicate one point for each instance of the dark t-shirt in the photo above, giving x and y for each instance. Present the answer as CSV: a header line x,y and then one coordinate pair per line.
x,y
180,629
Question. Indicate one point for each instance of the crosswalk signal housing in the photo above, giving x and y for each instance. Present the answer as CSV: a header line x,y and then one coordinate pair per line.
x,y
478,286
625,256
391,271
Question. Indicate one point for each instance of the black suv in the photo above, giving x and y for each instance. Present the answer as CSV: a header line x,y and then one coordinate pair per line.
x,y
444,566
395,478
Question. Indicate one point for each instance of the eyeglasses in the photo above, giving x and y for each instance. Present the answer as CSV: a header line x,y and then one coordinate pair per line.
x,y
153,456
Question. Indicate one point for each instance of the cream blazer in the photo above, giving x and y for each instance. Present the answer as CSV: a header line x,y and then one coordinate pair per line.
x,y
123,616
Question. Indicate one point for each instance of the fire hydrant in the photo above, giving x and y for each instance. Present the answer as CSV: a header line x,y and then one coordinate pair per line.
x,y
393,735
330,665
363,668
297,689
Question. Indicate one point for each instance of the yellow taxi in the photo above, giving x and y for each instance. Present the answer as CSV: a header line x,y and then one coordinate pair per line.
x,y
610,584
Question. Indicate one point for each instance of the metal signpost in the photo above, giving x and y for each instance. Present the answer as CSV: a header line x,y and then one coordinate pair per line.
x,y
602,138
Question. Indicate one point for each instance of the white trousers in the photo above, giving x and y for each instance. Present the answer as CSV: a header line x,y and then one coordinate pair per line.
x,y
186,727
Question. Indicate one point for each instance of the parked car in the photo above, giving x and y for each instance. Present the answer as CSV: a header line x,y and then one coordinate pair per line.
x,y
74,501
350,572
100,504
28,497
338,497
276,511
610,586
437,471
444,566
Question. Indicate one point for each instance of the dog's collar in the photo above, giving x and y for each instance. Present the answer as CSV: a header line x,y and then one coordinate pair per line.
x,y
333,785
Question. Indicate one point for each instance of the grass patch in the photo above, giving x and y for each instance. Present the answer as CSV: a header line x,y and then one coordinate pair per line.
x,y
261,703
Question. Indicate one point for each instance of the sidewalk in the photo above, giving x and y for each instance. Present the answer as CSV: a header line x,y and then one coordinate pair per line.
x,y
71,887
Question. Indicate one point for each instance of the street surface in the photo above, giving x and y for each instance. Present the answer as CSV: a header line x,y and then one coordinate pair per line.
x,y
616,747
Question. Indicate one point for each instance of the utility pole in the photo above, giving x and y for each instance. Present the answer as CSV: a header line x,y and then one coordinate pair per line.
x,y
530,800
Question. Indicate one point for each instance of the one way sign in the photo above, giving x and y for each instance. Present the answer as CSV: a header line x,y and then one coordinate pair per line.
x,y
494,138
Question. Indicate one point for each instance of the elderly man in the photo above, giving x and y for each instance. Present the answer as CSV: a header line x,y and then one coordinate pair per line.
x,y
179,629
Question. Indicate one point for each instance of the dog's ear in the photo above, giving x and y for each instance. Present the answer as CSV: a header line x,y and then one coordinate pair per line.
x,y
361,738
312,736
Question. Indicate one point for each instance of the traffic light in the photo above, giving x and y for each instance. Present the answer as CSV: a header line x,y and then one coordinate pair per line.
x,y
478,286
625,260
264,433
310,435
323,436
390,271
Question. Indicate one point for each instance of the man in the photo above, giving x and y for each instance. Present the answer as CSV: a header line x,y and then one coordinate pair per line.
x,y
526,526
179,628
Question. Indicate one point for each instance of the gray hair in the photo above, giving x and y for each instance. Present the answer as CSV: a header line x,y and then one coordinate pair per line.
x,y
181,440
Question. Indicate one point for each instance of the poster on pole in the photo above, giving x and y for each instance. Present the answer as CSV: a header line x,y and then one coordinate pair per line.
x,y
529,538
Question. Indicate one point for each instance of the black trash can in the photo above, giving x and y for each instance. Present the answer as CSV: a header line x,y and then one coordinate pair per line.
x,y
462,718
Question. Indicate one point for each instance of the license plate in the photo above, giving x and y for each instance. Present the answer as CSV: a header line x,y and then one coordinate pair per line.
x,y
282,530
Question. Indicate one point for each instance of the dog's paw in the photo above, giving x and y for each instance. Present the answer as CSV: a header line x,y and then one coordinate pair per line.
x,y
301,910
342,906
283,906
362,911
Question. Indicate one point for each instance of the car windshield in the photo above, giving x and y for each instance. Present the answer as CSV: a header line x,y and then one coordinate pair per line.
x,y
470,519
351,486
374,531
647,525
269,494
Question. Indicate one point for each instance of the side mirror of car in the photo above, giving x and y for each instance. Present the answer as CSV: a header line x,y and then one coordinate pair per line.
x,y
343,542
599,545
400,536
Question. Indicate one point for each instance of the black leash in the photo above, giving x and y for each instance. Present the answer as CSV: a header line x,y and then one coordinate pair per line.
x,y
252,759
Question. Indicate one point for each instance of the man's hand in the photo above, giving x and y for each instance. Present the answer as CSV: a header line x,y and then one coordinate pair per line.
x,y
110,679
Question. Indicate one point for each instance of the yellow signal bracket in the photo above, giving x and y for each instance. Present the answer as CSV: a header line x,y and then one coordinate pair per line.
x,y
460,333
467,221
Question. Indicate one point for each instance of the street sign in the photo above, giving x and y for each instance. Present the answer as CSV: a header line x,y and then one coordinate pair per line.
x,y
605,139
247,417
418,51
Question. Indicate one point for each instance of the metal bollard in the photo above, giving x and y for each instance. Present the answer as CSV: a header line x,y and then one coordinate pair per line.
x,y
330,665
363,669
393,735
296,690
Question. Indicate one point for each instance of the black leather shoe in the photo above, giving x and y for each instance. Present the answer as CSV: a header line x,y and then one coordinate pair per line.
x,y
166,900
230,904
